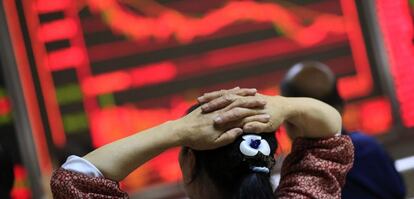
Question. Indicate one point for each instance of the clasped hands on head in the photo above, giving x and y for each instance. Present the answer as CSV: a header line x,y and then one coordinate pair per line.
x,y
226,114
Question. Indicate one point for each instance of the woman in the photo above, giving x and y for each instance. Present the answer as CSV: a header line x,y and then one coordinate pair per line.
x,y
316,167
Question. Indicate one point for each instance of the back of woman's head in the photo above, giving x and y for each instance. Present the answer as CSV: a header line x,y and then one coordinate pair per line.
x,y
241,170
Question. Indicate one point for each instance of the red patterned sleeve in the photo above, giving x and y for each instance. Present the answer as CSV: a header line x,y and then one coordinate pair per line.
x,y
71,185
316,168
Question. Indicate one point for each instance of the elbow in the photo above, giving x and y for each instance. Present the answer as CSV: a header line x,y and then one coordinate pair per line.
x,y
337,127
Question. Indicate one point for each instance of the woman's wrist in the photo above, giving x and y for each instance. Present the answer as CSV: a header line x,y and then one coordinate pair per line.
x,y
174,131
310,117
282,107
288,112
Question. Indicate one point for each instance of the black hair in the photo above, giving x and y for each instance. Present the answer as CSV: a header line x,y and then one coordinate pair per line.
x,y
231,172
288,89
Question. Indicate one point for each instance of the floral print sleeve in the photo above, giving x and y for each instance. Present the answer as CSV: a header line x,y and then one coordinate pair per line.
x,y
316,168
71,185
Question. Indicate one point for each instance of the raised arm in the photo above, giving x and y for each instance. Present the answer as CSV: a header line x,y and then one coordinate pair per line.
x,y
96,175
117,159
319,161
304,117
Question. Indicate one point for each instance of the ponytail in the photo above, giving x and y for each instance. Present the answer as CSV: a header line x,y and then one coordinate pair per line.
x,y
255,186
241,170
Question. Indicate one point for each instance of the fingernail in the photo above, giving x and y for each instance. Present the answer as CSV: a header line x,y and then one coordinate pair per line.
x,y
200,98
236,87
267,116
262,102
253,90
204,107
218,119
239,131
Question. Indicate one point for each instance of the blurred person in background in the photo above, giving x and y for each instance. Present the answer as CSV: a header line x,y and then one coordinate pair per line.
x,y
6,173
217,160
373,174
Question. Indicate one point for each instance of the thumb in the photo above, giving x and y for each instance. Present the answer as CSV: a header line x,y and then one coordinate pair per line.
x,y
228,137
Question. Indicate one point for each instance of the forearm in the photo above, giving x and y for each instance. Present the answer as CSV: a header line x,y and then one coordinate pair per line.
x,y
117,159
310,117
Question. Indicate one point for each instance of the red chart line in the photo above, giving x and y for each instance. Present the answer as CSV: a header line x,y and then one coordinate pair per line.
x,y
185,29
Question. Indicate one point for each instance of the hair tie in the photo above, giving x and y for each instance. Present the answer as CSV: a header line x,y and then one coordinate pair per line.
x,y
260,169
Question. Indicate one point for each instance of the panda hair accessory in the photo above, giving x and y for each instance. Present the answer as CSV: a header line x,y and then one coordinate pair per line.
x,y
256,153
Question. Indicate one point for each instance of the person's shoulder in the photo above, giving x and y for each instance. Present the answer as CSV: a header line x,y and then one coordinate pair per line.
x,y
359,138
366,145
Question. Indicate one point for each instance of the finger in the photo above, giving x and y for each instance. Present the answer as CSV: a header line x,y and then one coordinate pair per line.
x,y
247,102
262,118
228,136
245,92
218,103
235,114
236,91
256,127
206,97
231,101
